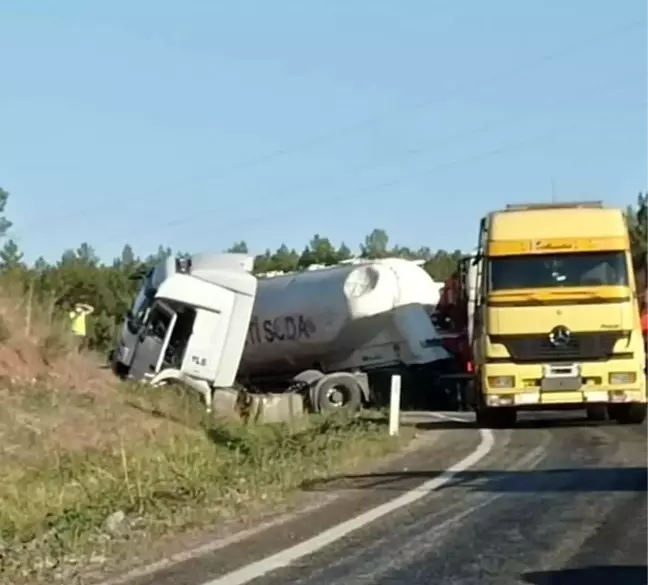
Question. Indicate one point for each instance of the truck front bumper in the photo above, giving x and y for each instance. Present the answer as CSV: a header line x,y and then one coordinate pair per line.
x,y
611,382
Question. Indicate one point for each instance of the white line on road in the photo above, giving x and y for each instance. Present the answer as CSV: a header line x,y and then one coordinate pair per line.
x,y
290,555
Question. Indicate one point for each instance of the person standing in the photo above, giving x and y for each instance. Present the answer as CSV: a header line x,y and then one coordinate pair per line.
x,y
78,324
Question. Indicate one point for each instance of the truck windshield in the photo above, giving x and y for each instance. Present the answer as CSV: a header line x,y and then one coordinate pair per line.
x,y
144,298
140,304
558,270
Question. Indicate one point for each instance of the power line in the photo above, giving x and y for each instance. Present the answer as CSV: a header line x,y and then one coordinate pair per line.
x,y
511,146
470,87
406,154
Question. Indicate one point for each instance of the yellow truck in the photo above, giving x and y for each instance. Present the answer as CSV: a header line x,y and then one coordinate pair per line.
x,y
555,315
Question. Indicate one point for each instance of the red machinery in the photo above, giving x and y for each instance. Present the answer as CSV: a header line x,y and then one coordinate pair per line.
x,y
452,315
641,278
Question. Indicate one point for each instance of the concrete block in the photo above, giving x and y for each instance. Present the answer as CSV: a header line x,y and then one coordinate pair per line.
x,y
276,408
225,402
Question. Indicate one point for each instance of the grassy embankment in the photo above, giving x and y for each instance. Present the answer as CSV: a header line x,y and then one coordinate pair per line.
x,y
94,471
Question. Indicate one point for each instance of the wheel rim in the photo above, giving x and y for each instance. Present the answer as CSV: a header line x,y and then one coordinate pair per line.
x,y
337,396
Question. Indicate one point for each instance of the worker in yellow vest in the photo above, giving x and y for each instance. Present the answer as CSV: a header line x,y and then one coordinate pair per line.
x,y
78,317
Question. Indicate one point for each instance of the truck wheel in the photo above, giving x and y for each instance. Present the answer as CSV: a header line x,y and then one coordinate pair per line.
x,y
496,418
629,414
613,411
596,412
338,391
469,395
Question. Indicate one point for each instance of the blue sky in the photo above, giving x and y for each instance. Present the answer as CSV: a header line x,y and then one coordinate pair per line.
x,y
196,124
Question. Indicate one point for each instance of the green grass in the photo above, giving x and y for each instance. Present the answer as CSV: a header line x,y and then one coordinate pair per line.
x,y
186,472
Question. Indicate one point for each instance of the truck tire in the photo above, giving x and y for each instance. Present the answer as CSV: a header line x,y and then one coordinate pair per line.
x,y
596,412
496,418
628,414
338,391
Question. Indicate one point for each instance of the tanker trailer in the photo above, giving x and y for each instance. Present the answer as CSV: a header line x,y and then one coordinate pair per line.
x,y
371,317
331,334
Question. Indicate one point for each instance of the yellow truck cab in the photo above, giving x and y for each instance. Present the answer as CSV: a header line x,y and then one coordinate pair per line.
x,y
556,318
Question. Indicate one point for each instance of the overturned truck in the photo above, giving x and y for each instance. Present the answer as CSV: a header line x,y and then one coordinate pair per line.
x,y
331,336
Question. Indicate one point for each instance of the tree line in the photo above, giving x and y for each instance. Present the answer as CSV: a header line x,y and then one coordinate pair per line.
x,y
80,276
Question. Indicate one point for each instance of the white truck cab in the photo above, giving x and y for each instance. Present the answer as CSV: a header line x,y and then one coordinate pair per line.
x,y
189,322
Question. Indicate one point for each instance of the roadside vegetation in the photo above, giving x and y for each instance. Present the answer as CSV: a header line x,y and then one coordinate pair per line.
x,y
95,471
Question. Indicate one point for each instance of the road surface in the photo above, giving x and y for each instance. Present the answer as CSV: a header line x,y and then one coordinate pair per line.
x,y
553,502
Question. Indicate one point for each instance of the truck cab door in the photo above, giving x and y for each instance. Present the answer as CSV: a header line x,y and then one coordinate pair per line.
x,y
153,341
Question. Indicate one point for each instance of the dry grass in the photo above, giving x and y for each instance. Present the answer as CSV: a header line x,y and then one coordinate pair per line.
x,y
92,469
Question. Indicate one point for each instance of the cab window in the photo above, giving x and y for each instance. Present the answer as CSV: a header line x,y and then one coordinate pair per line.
x,y
558,270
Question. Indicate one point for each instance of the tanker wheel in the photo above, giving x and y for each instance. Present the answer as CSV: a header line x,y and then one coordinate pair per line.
x,y
338,391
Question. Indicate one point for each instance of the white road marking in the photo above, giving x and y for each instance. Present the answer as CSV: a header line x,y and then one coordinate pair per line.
x,y
288,556
370,570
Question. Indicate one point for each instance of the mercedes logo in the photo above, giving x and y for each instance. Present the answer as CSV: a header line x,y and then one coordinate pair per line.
x,y
559,336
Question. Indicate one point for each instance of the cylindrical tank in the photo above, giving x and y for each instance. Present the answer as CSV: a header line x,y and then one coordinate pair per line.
x,y
300,319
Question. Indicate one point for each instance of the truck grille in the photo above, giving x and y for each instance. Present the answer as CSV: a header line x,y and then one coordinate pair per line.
x,y
536,347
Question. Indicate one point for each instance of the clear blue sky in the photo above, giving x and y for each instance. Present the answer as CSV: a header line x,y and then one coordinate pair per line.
x,y
195,124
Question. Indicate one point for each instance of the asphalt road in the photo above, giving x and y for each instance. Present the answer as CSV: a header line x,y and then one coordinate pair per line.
x,y
554,502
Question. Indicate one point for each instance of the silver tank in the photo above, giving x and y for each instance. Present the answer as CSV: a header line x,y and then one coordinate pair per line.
x,y
301,319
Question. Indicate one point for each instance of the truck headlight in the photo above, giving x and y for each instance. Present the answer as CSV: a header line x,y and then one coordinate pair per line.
x,y
623,378
501,381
